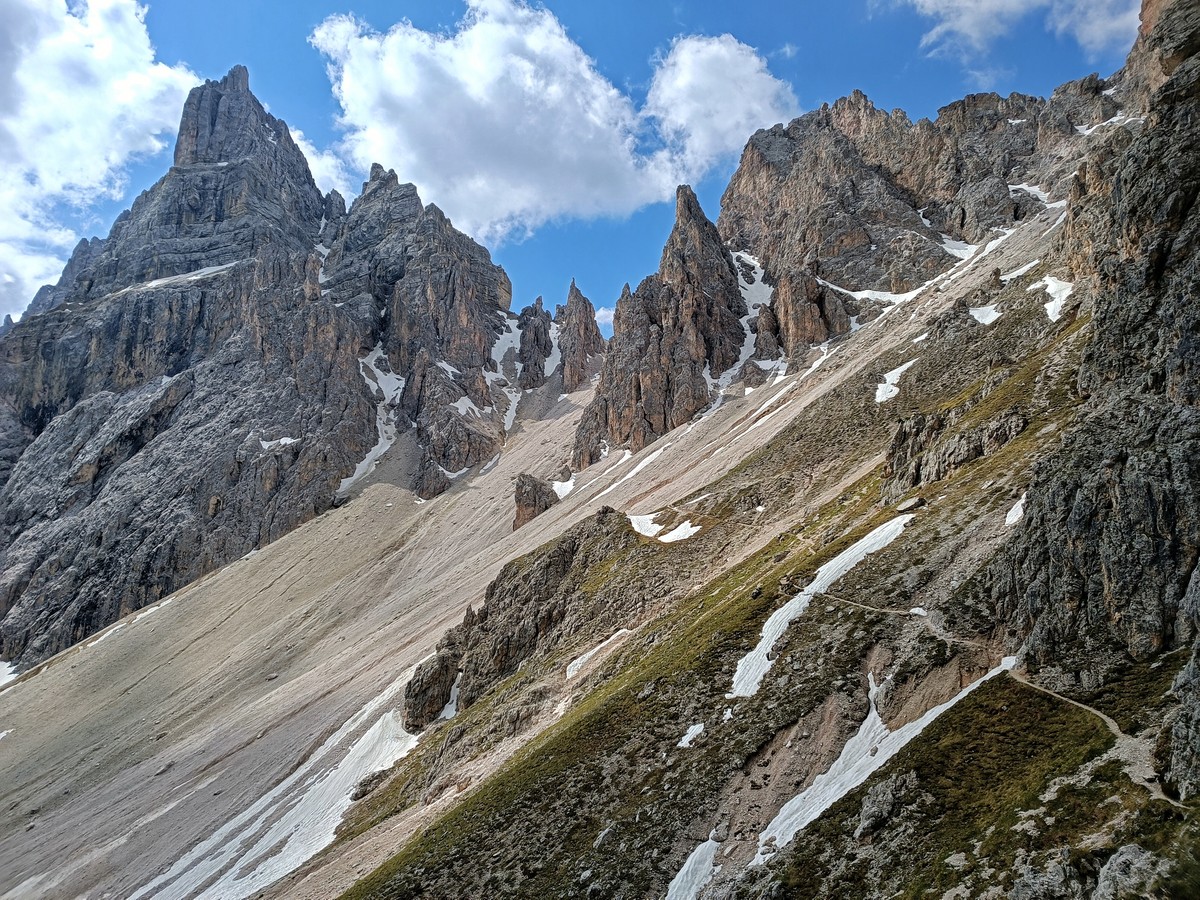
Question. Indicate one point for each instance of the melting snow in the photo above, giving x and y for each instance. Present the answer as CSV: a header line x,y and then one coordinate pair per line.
x,y
891,380
961,249
753,667
296,819
918,611
757,294
1017,273
197,275
450,710
1058,290
985,315
636,469
692,733
8,672
1032,189
1016,514
864,754
645,525
508,339
279,442
465,406
696,872
562,488
920,338
447,368
152,610
579,662
389,386
680,532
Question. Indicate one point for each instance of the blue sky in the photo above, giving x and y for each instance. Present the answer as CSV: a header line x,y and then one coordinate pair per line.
x,y
554,132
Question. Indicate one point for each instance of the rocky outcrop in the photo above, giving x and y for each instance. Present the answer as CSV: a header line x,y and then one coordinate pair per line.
x,y
533,604
926,449
1103,570
579,339
533,497
535,347
672,338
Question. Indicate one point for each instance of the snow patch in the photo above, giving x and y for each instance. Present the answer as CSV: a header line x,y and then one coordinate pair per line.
x,y
984,315
278,442
753,667
574,666
692,733
450,710
891,380
1017,513
636,469
1031,189
1058,290
918,611
107,634
386,386
562,488
1017,273
645,525
296,819
197,275
696,873
8,672
465,406
961,249
864,754
921,337
680,532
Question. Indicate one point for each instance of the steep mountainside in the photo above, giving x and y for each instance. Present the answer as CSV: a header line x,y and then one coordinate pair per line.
x,y
234,358
860,563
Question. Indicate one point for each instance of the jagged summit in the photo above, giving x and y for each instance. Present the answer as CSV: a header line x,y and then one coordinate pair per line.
x,y
672,338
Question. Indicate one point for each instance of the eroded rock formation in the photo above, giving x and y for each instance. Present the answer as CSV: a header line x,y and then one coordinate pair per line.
x,y
672,338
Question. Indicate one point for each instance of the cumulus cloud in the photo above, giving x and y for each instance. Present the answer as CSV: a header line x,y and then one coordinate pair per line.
x,y
329,170
506,123
711,93
963,26
81,95
604,315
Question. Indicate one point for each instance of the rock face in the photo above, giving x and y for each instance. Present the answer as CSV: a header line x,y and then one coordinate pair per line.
x,y
221,367
672,338
857,197
921,453
1104,568
533,603
442,305
533,497
536,345
579,339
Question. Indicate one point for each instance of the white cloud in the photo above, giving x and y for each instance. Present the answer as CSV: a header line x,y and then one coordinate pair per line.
x,y
604,315
710,94
81,95
328,169
506,123
963,26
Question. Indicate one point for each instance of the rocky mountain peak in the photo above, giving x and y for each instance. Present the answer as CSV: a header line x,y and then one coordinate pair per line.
x,y
224,122
579,338
673,339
